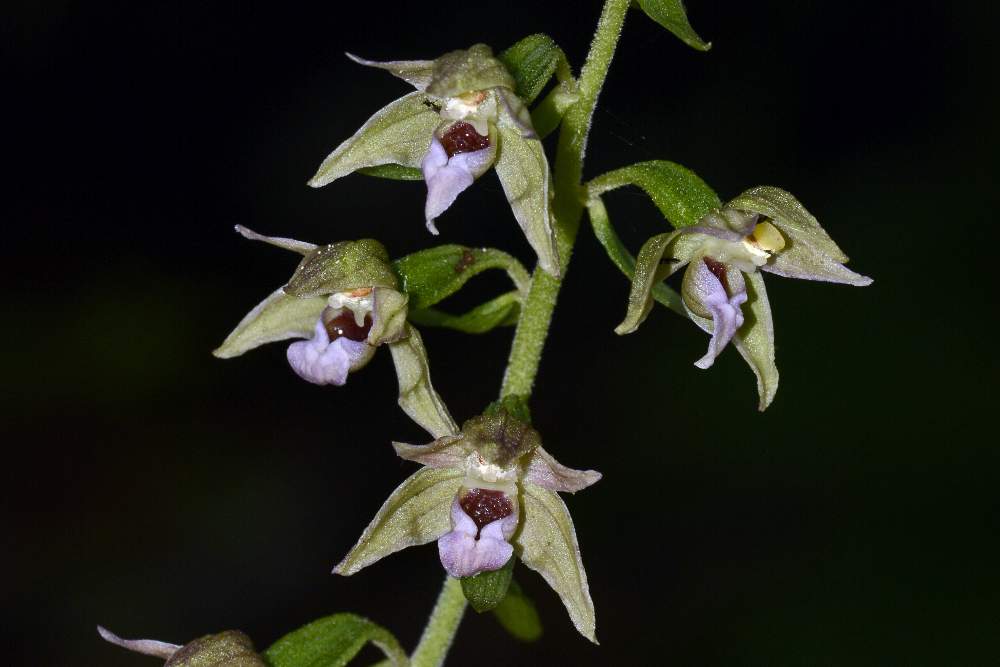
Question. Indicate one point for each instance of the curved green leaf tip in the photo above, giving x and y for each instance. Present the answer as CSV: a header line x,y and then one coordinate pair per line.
x,y
681,195
672,16
332,642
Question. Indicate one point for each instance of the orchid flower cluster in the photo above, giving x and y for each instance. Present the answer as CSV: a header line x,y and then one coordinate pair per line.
x,y
488,493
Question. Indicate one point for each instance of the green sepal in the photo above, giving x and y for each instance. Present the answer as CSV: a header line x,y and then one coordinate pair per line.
x,y
332,642
546,542
394,172
755,339
417,512
417,73
532,62
650,269
486,590
517,615
680,194
428,276
278,317
399,134
622,258
417,397
225,649
468,70
503,310
342,266
524,175
672,16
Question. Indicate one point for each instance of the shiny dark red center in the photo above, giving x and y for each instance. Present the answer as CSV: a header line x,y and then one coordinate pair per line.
x,y
718,269
463,138
485,506
344,325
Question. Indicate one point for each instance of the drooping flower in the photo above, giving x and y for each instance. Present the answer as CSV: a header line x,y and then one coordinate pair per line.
x,y
764,229
463,119
344,300
486,494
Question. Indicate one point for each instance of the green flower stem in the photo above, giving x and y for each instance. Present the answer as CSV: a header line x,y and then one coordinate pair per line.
x,y
536,312
441,626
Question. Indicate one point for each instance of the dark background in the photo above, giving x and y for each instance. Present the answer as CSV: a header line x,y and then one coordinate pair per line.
x,y
164,493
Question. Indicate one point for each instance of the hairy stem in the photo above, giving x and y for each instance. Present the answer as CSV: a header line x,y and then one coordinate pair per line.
x,y
536,312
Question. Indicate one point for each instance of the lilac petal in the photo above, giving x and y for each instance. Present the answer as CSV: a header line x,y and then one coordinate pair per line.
x,y
726,314
548,473
462,555
319,361
446,177
144,646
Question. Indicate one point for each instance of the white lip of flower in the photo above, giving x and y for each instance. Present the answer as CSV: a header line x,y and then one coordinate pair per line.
x,y
482,474
360,302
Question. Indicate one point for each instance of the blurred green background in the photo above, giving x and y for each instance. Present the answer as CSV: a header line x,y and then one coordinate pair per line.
x,y
164,493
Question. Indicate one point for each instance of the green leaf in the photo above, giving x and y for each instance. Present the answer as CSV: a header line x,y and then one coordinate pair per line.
x,y
518,616
417,512
623,259
332,642
417,397
532,62
546,543
524,175
431,275
485,590
395,172
501,311
278,317
399,133
672,16
682,197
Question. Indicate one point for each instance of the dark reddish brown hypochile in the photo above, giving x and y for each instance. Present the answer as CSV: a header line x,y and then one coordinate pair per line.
x,y
344,325
463,138
485,506
718,269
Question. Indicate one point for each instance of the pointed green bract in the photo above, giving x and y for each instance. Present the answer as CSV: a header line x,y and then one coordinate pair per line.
x,y
278,317
399,134
342,266
417,397
672,16
417,512
332,642
682,197
755,339
547,544
428,276
650,269
498,312
518,616
393,172
532,62
524,175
